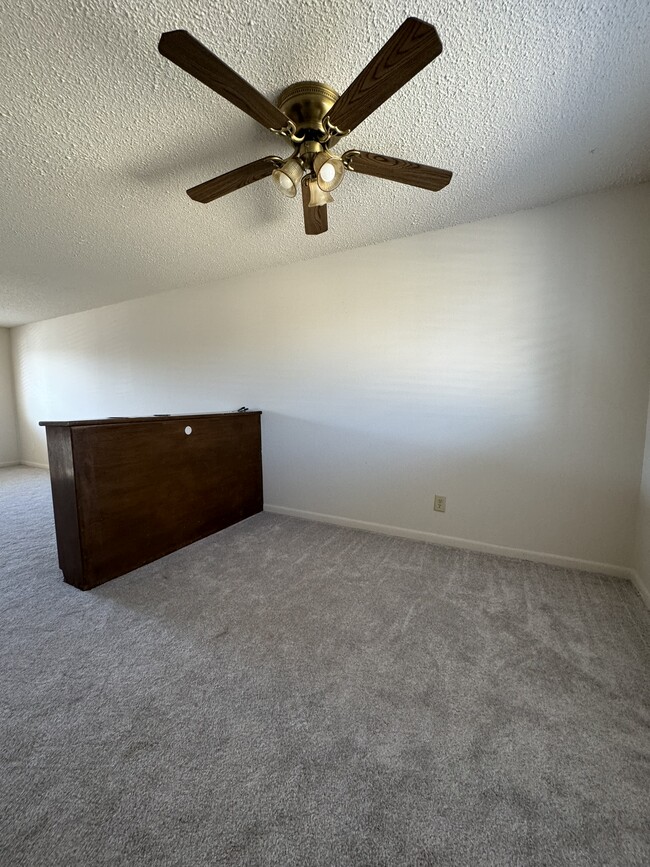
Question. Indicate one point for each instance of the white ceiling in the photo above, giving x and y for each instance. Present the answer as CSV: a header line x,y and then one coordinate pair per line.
x,y
531,101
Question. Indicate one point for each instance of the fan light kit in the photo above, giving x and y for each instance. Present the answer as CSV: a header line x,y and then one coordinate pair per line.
x,y
313,117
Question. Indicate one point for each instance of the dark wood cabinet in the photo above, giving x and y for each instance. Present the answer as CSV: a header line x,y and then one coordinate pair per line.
x,y
127,491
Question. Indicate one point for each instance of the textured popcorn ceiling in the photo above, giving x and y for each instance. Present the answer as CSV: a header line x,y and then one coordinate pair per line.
x,y
531,101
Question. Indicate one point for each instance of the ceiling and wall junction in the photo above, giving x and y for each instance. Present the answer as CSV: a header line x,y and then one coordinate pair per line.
x,y
531,101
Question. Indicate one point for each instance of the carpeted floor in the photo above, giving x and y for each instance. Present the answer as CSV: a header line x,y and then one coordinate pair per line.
x,y
293,693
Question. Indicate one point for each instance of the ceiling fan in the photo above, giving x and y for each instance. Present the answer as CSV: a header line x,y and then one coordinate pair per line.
x,y
314,118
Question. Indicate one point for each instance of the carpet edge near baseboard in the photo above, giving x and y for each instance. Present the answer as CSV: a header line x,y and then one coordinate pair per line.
x,y
609,569
644,592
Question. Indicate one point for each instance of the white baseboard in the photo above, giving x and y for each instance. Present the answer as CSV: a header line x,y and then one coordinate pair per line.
x,y
644,591
10,464
34,464
454,542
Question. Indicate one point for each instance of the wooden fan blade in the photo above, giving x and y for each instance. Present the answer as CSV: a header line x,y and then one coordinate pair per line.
x,y
410,49
185,51
315,218
208,191
393,169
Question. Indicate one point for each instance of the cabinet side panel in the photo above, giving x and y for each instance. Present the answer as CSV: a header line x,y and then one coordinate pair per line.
x,y
147,489
64,500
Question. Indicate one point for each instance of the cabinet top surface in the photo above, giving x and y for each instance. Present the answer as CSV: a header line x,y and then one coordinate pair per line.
x,y
145,418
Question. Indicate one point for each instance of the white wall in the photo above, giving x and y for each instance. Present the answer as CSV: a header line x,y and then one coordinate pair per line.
x,y
642,562
8,427
504,364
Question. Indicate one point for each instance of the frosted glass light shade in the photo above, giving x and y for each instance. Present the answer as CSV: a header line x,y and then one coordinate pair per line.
x,y
317,196
287,177
329,170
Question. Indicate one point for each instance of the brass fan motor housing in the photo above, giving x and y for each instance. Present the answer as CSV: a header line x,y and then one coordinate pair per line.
x,y
307,103
313,117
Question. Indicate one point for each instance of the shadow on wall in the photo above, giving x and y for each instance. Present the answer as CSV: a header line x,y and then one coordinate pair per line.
x,y
502,364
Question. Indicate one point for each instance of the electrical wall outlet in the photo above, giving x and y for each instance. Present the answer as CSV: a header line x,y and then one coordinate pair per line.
x,y
439,503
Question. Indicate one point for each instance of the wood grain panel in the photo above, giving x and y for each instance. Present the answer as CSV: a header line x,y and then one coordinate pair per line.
x,y
208,191
185,51
394,169
64,499
145,488
413,45
315,218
